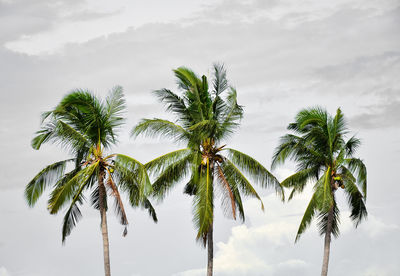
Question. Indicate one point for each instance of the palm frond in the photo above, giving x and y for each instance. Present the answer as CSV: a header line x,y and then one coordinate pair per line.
x,y
231,115
203,204
306,118
118,205
358,167
255,170
234,175
161,128
66,190
323,192
43,179
73,214
176,105
307,217
299,180
71,218
170,175
160,163
220,83
228,199
152,212
115,106
132,177
323,221
354,197
352,145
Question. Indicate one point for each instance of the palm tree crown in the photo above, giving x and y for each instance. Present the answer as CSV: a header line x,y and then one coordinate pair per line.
x,y
323,156
87,126
206,116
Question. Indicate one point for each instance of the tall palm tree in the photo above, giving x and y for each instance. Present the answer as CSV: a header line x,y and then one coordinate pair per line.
x,y
205,118
325,158
86,127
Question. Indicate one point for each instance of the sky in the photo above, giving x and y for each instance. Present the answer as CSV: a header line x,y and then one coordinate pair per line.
x,y
281,56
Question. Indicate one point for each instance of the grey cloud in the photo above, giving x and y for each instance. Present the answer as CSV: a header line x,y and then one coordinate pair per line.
x,y
379,116
87,15
20,17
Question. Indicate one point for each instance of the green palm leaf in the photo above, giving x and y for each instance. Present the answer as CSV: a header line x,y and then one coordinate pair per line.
x,y
255,170
159,127
64,192
43,179
307,217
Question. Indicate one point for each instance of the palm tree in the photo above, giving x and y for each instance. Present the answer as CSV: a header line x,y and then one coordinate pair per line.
x,y
86,127
324,157
204,120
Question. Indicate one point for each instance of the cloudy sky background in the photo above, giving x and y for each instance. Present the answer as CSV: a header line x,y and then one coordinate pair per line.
x,y
281,56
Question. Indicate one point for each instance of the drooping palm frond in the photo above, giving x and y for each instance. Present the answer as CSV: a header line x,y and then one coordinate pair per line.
x,y
132,177
255,170
358,167
44,179
171,175
203,204
228,199
299,180
73,214
355,198
323,192
118,205
352,145
323,218
71,218
307,217
152,212
65,190
234,175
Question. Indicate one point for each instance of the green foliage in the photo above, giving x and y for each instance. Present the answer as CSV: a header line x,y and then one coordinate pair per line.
x,y
205,115
322,155
86,126
43,179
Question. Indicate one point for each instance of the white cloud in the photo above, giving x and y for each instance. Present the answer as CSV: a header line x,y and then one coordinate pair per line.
x,y
265,245
254,249
376,228
4,272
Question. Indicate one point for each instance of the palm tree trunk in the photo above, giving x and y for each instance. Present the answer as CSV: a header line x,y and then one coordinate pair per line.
x,y
327,244
104,230
210,249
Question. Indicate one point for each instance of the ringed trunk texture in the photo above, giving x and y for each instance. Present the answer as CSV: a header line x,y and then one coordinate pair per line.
x,y
104,230
327,244
210,249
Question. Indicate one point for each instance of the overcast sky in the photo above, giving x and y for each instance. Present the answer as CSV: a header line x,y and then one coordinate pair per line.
x,y
281,56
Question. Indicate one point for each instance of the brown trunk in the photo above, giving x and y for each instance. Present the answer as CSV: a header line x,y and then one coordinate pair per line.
x,y
327,244
210,249
104,231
